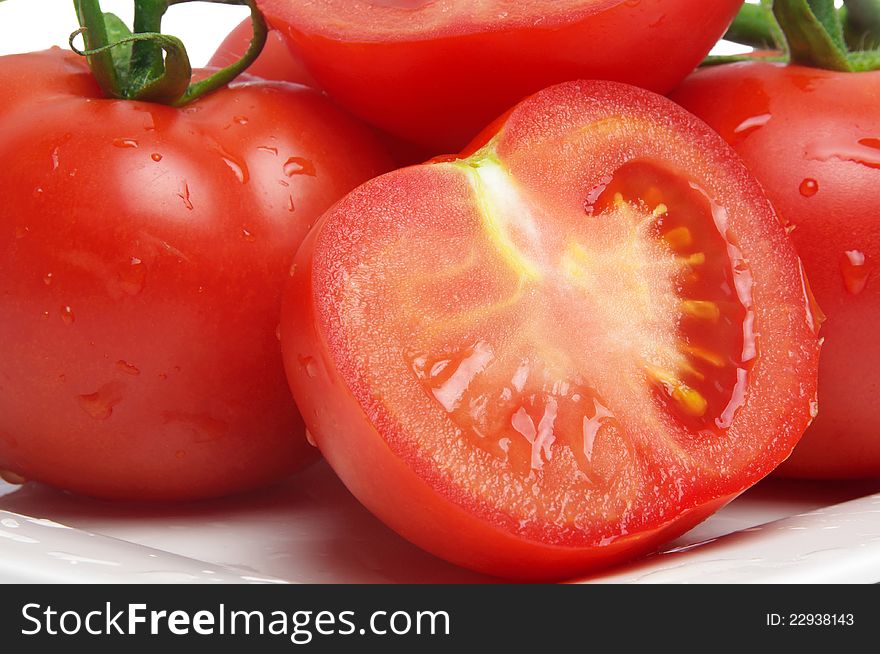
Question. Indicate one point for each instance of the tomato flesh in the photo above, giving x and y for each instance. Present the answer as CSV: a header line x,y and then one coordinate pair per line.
x,y
435,73
559,348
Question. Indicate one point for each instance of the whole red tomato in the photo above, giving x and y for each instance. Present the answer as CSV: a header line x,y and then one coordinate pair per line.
x,y
436,72
561,350
812,137
142,253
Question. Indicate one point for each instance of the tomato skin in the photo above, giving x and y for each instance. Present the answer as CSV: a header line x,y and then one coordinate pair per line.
x,y
379,456
275,61
142,254
803,145
438,86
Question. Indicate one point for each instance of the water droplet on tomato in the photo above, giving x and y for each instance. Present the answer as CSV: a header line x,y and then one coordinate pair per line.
x,y
855,270
183,194
55,159
292,270
132,276
156,157
814,408
11,477
47,279
309,365
267,149
299,166
45,315
809,188
278,332
127,368
21,232
865,152
67,315
240,120
239,168
124,143
99,405
247,235
290,206
311,439
749,125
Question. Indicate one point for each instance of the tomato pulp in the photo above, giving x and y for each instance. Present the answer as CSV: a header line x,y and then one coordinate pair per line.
x,y
143,250
812,137
562,350
436,72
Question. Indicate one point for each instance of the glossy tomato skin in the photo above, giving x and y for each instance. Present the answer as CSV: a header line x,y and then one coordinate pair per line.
x,y
812,138
438,80
275,61
142,253
376,441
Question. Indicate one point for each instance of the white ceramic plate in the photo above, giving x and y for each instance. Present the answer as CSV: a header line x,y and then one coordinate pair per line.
x,y
311,529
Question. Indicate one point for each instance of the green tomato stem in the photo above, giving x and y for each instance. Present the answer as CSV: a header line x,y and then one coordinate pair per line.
x,y
149,65
754,26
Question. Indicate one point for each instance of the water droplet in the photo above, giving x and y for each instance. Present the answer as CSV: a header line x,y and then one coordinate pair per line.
x,y
809,188
278,332
183,194
290,206
127,368
21,232
309,365
12,477
132,276
156,157
162,376
855,271
238,167
292,270
240,120
311,439
67,315
751,124
55,159
47,279
299,166
99,405
38,192
45,315
267,149
247,235
124,143
864,152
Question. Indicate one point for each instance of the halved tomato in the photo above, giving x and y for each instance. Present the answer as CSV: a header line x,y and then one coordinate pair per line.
x,y
561,350
436,72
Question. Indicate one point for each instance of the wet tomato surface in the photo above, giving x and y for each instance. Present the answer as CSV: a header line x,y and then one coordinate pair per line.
x,y
142,254
561,350
812,138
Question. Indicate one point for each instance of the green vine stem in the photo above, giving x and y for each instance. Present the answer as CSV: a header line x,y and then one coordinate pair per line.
x,y
146,64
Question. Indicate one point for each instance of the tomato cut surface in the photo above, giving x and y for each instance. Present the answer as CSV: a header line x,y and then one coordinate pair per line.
x,y
435,72
560,350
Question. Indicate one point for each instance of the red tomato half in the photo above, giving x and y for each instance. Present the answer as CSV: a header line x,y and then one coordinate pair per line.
x,y
142,254
562,350
436,72
274,62
812,137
